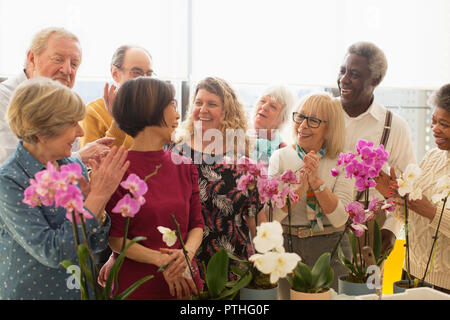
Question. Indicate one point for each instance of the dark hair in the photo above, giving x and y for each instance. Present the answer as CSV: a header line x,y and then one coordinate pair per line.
x,y
441,98
140,103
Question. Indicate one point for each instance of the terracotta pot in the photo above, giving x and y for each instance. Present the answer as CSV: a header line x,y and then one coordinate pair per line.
x,y
297,295
258,294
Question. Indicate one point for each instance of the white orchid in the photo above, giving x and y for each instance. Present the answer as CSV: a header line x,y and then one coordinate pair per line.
x,y
169,236
406,183
443,186
412,172
277,264
269,235
404,187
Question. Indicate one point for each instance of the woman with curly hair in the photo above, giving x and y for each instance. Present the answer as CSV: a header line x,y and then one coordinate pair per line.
x,y
216,127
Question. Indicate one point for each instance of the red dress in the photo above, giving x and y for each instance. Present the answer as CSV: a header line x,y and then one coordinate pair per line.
x,y
173,190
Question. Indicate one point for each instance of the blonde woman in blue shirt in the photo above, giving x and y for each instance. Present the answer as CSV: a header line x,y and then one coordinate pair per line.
x,y
44,115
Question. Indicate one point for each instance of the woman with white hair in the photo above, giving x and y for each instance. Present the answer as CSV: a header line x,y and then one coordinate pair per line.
x,y
319,217
271,113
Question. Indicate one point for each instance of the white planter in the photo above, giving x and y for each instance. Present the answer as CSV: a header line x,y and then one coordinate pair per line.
x,y
422,293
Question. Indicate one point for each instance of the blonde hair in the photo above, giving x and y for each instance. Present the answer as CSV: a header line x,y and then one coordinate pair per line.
x,y
234,116
43,107
40,39
327,108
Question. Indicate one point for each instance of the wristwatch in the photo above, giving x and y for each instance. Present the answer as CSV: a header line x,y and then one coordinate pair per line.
x,y
320,188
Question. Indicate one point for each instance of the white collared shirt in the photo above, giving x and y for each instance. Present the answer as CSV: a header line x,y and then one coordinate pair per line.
x,y
369,126
8,140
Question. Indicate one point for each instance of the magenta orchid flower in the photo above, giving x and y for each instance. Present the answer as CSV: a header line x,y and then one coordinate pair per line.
x,y
127,206
288,177
358,229
71,172
246,182
135,185
356,212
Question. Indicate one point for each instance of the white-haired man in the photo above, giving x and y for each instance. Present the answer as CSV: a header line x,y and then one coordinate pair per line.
x,y
54,53
362,70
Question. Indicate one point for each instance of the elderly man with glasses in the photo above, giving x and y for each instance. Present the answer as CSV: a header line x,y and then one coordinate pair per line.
x,y
128,62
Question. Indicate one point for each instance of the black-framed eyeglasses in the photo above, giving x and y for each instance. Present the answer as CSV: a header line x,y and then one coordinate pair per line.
x,y
138,72
310,121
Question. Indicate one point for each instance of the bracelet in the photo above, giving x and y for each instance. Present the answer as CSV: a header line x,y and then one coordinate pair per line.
x,y
102,219
320,188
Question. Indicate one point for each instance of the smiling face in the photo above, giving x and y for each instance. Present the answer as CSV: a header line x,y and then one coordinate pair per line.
x,y
267,113
310,138
171,117
208,110
59,61
136,63
440,125
60,146
355,83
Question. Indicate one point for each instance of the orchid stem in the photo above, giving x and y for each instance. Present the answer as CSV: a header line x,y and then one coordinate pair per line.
x,y
434,242
407,241
347,225
186,256
291,248
77,242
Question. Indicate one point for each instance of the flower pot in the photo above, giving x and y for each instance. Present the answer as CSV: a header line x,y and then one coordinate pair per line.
x,y
258,294
402,285
351,288
297,295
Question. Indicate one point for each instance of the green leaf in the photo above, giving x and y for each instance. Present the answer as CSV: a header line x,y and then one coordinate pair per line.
x,y
133,287
117,265
242,283
302,271
352,241
330,279
66,263
298,283
320,270
217,272
376,240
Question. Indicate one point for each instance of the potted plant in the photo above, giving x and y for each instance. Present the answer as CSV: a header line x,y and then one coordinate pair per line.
x,y
363,166
312,284
268,265
61,189
408,189
216,273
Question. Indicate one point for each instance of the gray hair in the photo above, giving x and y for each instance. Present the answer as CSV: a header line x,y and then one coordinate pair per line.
x,y
284,97
441,98
119,55
40,39
374,55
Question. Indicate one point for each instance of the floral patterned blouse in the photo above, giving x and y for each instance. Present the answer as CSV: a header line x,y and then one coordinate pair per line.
x,y
224,207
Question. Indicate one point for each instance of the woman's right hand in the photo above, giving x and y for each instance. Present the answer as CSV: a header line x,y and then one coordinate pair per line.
x,y
174,276
105,178
105,270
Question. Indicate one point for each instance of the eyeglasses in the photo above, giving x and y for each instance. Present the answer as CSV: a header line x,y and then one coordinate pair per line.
x,y
138,72
310,121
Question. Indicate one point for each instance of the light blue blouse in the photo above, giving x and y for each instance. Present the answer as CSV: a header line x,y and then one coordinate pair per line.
x,y
33,241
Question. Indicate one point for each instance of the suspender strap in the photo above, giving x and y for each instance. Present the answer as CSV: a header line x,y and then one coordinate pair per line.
x,y
384,139
387,128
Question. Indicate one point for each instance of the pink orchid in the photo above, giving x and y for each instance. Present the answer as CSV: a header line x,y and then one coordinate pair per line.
x,y
364,183
356,212
31,197
246,182
71,172
358,229
84,214
288,177
268,189
363,144
388,205
135,185
127,206
335,172
245,164
70,199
